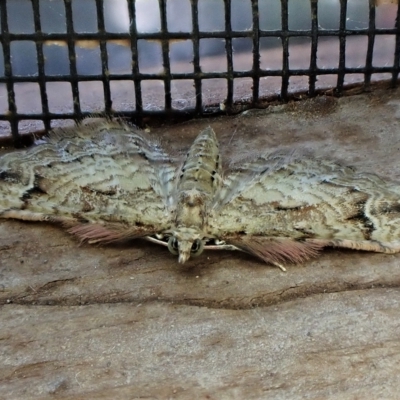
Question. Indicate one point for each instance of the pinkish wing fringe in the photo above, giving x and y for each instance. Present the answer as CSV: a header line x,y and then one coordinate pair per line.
x,y
277,250
96,233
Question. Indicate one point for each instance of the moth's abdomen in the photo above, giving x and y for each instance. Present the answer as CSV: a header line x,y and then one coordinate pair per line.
x,y
201,169
199,178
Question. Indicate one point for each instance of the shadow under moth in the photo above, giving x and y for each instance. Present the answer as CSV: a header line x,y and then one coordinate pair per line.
x,y
110,182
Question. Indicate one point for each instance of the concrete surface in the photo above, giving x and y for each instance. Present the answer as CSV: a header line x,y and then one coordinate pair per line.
x,y
127,322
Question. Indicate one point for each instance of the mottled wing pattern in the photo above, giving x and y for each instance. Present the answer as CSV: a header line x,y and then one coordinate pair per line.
x,y
281,208
104,182
109,181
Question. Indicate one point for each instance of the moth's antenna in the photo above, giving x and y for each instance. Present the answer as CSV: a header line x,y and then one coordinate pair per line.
x,y
233,134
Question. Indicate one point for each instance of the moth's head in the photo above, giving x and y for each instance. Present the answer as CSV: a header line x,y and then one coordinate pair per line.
x,y
186,242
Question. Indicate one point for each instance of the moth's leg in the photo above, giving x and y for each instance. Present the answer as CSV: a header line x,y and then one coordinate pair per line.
x,y
221,245
281,267
23,215
36,217
155,240
365,245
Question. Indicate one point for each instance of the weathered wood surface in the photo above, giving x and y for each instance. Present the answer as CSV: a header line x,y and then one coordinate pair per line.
x,y
127,321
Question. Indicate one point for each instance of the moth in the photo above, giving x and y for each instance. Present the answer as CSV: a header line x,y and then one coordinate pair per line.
x,y
110,182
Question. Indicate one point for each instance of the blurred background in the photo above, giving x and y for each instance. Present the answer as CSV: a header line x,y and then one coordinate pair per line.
x,y
211,18
213,57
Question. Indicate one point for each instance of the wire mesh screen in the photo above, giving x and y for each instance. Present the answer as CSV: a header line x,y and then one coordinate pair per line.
x,y
63,60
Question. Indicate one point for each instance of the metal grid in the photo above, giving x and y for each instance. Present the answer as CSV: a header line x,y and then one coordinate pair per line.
x,y
71,37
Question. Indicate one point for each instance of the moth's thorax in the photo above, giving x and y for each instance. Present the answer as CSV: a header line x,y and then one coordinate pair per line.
x,y
198,180
191,209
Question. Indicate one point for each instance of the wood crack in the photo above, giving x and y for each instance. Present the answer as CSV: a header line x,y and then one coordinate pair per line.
x,y
229,303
